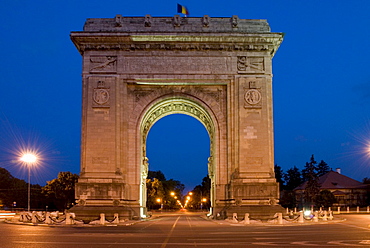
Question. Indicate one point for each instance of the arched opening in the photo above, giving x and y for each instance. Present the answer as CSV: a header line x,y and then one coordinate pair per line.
x,y
165,108
178,145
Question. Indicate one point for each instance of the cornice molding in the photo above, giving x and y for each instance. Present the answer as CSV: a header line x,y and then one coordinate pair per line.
x,y
107,41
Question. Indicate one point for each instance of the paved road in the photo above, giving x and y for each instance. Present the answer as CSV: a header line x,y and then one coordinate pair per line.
x,y
189,230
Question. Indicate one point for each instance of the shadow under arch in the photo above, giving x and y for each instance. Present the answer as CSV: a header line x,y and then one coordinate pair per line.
x,y
175,105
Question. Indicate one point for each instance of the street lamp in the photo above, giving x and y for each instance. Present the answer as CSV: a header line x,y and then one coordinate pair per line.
x,y
159,200
29,159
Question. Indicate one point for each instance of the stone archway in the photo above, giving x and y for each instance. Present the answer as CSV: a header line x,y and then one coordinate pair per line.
x,y
176,105
138,69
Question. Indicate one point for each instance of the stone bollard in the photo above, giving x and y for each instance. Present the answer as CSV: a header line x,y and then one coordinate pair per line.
x,y
347,209
338,210
48,219
69,219
368,209
315,216
329,209
21,217
279,218
287,210
331,215
246,219
34,219
116,218
295,210
358,209
102,219
325,217
300,217
235,217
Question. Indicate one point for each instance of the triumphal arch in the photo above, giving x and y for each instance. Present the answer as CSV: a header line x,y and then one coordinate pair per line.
x,y
137,70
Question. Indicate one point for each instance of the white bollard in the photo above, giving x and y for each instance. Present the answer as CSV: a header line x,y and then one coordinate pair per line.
x,y
287,210
300,218
331,215
279,218
347,209
235,217
329,209
368,209
116,218
102,219
315,216
246,219
21,217
34,219
47,218
325,217
338,210
320,209
69,219
358,209
295,210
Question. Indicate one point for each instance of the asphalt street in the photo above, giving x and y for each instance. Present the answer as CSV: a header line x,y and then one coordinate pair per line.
x,y
191,230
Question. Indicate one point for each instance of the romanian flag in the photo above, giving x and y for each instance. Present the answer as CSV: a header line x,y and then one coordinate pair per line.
x,y
182,9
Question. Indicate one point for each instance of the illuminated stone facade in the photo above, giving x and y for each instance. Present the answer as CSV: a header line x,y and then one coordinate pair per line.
x,y
137,70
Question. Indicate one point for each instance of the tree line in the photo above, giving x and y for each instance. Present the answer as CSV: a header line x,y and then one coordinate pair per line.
x,y
57,194
313,195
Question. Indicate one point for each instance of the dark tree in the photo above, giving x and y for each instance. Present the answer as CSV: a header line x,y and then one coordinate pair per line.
x,y
201,194
6,184
288,199
293,178
325,199
158,187
366,180
156,174
172,186
154,191
13,190
61,191
322,168
310,175
279,175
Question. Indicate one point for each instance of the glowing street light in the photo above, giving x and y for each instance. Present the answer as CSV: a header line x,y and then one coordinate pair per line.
x,y
159,200
29,159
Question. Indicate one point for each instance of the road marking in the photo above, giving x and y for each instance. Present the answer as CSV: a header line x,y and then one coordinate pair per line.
x,y
170,233
342,243
304,243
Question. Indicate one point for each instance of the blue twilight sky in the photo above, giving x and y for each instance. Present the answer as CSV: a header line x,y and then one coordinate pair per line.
x,y
321,84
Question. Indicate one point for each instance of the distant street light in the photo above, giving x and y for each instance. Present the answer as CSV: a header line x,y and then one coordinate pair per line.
x,y
29,159
159,200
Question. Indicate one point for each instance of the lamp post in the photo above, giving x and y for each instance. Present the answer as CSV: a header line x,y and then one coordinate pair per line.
x,y
29,159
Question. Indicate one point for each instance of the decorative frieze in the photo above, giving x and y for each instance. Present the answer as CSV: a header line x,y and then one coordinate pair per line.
x,y
250,64
103,64
174,47
204,65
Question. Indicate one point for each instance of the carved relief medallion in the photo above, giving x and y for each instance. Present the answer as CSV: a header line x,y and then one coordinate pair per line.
x,y
252,97
101,96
